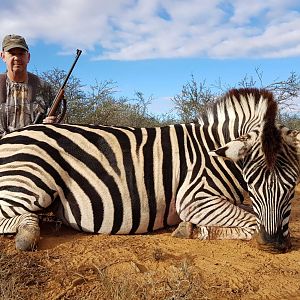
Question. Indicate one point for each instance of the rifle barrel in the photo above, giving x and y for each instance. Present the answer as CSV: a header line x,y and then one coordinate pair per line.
x,y
59,96
78,52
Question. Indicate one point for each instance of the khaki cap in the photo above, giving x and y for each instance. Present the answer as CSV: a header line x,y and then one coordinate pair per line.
x,y
14,41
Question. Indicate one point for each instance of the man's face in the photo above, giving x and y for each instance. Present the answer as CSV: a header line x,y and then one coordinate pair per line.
x,y
16,60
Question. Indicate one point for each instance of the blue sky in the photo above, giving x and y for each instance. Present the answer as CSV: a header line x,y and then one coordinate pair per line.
x,y
154,46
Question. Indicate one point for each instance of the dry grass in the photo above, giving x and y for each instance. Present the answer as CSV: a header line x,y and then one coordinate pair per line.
x,y
24,275
127,280
21,276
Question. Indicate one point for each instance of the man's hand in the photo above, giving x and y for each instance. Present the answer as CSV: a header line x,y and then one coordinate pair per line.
x,y
51,119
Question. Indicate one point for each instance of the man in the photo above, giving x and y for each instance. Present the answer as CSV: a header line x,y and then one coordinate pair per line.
x,y
24,97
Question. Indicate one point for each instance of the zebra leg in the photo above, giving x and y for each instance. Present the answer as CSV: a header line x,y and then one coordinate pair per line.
x,y
191,231
223,233
217,218
26,227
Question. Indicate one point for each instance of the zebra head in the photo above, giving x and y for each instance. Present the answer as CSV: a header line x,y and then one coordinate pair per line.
x,y
271,168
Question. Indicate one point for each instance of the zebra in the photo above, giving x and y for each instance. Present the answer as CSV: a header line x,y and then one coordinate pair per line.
x,y
125,180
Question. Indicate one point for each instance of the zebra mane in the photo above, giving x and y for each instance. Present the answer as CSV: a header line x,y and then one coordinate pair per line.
x,y
263,109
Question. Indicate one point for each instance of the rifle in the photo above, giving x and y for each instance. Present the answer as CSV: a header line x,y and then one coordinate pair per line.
x,y
60,94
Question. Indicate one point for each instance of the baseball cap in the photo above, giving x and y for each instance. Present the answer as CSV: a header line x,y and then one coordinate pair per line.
x,y
11,41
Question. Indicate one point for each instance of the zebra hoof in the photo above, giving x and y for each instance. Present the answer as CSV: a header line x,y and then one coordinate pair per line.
x,y
27,238
184,230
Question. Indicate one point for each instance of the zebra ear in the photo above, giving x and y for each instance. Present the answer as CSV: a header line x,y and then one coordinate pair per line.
x,y
236,149
291,137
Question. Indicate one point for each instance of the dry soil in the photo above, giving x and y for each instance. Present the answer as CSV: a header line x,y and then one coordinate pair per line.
x,y
74,265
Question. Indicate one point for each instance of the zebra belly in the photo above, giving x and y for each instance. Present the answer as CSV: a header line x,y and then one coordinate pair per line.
x,y
66,215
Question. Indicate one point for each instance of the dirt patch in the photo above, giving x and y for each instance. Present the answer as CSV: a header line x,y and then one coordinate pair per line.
x,y
74,265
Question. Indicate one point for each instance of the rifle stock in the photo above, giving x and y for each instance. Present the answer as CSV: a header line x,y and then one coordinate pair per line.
x,y
58,98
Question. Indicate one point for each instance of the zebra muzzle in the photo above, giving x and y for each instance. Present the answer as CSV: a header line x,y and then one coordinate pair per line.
x,y
275,243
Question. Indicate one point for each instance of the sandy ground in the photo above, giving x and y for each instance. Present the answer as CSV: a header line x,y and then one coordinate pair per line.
x,y
73,265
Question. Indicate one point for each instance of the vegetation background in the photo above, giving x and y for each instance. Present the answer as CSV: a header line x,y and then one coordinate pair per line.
x,y
98,104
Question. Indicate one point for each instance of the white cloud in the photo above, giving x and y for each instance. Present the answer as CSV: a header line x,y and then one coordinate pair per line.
x,y
143,29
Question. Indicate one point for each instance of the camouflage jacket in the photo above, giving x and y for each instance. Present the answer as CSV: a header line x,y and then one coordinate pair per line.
x,y
22,103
